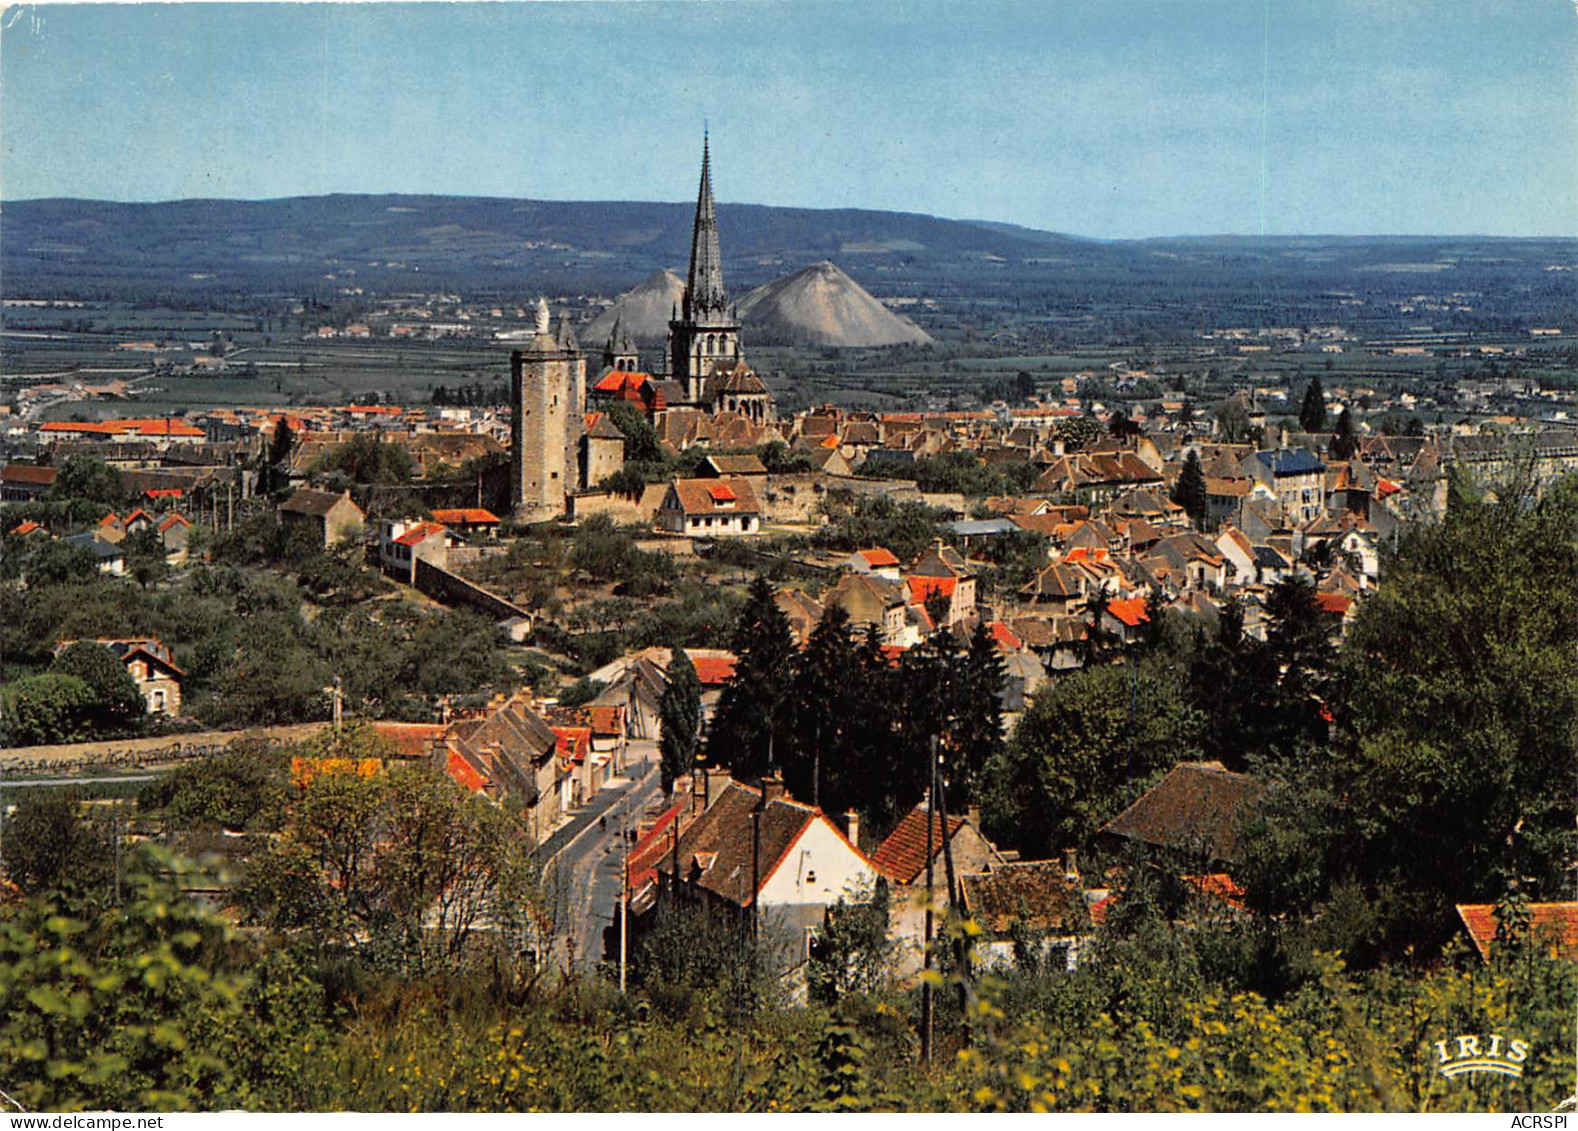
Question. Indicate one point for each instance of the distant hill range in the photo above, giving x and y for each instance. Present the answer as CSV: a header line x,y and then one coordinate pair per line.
x,y
976,277
427,242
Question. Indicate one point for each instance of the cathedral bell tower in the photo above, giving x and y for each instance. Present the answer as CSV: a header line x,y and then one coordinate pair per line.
x,y
704,333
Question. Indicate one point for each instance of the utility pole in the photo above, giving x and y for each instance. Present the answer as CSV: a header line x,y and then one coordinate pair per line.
x,y
962,946
927,1011
624,898
338,696
816,769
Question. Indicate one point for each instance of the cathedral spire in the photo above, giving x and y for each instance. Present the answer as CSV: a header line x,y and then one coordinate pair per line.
x,y
704,292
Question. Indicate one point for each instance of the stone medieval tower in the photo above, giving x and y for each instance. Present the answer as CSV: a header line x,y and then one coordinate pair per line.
x,y
547,386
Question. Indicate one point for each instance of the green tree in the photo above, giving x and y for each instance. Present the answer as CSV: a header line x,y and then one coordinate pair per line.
x,y
283,443
89,478
1299,640
48,842
1190,492
405,867
52,562
1084,751
368,458
853,952
145,558
1461,680
679,710
244,786
43,709
115,706
978,717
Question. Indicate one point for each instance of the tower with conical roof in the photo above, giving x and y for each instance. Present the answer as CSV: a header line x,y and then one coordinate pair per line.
x,y
620,352
547,391
705,334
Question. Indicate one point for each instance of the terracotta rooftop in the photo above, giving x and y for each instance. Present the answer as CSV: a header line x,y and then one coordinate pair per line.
x,y
1197,807
1553,924
1034,892
902,856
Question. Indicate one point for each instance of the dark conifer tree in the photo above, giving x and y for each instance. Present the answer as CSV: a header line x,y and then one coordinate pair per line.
x,y
823,765
1299,647
1344,443
680,712
978,710
1312,413
1190,492
873,716
752,726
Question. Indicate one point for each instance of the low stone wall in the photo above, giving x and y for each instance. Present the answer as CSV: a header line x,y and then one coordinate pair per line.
x,y
452,589
621,508
471,555
139,753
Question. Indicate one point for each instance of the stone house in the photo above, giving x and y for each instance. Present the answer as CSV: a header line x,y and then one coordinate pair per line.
x,y
152,668
332,518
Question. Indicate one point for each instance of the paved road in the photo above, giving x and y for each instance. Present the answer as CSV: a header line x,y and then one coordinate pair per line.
x,y
586,857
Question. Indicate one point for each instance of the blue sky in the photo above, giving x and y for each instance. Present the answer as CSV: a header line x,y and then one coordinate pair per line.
x,y
1111,118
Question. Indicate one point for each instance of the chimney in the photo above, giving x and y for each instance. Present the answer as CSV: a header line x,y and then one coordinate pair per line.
x,y
852,827
772,789
1071,865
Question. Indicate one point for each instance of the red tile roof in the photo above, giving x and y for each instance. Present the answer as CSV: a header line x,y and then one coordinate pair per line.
x,y
879,558
606,720
157,426
701,496
410,740
28,527
620,380
923,587
713,671
644,857
902,856
1133,611
1004,637
79,426
574,743
1220,885
171,520
464,516
462,772
1553,924
1337,604
421,532
27,473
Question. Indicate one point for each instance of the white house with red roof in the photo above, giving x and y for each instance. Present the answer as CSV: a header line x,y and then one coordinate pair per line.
x,y
402,543
710,508
758,849
876,562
